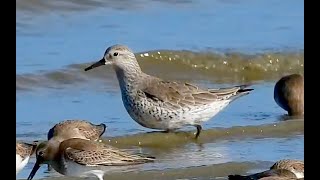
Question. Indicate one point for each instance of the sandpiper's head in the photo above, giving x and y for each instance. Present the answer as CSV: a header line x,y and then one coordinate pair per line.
x,y
118,55
44,153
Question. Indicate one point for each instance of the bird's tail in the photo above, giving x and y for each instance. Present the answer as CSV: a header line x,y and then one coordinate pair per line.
x,y
233,92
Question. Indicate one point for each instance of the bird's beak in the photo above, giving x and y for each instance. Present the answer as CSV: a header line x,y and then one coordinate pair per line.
x,y
97,64
35,169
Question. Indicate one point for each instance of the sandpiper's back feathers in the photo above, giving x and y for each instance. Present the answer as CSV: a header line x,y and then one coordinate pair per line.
x,y
90,153
285,168
295,166
178,95
77,128
289,94
25,149
79,157
269,173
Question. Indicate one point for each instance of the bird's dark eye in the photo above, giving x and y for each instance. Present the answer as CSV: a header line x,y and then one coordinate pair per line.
x,y
40,153
115,54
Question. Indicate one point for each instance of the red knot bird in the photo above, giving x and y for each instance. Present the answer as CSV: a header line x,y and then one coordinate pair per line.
x,y
164,105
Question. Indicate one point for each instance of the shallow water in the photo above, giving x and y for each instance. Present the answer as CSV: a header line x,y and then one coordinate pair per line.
x,y
208,43
49,37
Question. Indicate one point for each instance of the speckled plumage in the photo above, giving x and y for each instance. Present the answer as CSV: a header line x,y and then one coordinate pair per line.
x,y
160,104
279,178
80,157
285,169
295,166
94,154
74,128
23,153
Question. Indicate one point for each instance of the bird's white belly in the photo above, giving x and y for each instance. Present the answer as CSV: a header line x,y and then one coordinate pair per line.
x,y
157,117
20,163
73,169
298,174
70,168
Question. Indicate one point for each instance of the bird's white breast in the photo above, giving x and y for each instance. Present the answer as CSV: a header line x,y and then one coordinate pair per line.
x,y
20,163
299,174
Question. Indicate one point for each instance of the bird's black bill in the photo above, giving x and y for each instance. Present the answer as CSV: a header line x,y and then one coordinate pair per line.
x,y
97,64
34,170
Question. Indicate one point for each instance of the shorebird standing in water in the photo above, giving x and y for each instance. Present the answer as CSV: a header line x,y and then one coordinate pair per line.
x,y
289,94
23,153
165,105
80,157
76,129
282,169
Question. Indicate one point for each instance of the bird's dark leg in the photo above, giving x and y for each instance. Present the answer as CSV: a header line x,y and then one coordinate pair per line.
x,y
199,128
49,167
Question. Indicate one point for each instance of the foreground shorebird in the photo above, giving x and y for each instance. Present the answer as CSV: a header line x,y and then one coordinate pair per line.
x,y
289,94
80,157
23,153
77,129
282,169
165,105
